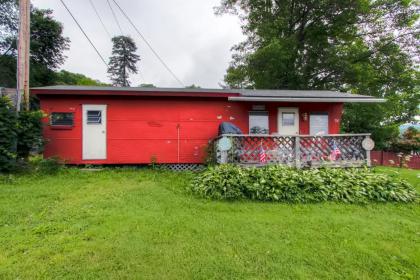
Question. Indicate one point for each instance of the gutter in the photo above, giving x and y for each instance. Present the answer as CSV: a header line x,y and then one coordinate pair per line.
x,y
308,99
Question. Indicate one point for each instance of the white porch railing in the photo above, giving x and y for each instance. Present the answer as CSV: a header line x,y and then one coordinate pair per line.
x,y
337,150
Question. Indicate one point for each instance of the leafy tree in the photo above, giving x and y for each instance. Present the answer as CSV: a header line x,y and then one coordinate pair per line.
x,y
64,77
147,85
47,45
193,86
359,46
123,60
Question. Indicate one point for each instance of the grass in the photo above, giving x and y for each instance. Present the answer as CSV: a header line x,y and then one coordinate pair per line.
x,y
143,224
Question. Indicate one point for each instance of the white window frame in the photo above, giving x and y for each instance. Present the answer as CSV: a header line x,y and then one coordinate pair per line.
x,y
263,113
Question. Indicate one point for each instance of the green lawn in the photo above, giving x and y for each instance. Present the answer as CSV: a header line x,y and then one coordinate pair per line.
x,y
142,224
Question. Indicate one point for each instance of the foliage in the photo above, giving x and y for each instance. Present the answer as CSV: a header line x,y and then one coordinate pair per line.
x,y
64,77
29,132
47,45
49,166
193,86
284,184
147,85
19,134
47,49
8,124
366,47
47,40
123,60
410,142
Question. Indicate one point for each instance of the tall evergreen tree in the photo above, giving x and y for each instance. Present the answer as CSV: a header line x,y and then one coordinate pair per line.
x,y
123,60
360,46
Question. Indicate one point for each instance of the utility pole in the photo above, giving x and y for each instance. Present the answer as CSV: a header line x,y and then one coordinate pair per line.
x,y
23,54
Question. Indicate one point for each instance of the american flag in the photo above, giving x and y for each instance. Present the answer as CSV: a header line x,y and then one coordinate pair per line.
x,y
335,152
263,156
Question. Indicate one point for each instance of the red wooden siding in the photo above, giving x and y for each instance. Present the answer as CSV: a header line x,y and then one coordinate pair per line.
x,y
142,128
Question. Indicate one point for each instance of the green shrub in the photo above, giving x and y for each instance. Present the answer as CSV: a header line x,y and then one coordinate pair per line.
x,y
29,132
8,122
19,135
277,183
38,165
49,166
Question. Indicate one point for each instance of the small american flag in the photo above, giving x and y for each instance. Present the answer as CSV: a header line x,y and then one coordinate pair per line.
x,y
263,156
335,152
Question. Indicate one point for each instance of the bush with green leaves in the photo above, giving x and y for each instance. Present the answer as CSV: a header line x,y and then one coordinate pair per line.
x,y
29,132
285,184
8,123
19,134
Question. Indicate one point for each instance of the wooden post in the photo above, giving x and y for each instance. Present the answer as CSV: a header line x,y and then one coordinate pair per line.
x,y
368,160
297,152
23,54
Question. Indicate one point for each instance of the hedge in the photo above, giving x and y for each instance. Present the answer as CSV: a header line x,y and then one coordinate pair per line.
x,y
285,184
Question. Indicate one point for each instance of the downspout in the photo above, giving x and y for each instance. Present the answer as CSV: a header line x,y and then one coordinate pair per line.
x,y
178,128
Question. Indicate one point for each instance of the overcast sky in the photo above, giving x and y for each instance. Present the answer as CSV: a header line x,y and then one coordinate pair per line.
x,y
193,41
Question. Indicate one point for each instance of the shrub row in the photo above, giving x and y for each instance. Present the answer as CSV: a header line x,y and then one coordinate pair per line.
x,y
277,183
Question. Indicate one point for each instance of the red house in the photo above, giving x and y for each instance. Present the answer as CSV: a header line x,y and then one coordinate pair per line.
x,y
111,125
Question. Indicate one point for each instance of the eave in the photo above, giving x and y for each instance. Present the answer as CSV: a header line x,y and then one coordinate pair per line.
x,y
307,99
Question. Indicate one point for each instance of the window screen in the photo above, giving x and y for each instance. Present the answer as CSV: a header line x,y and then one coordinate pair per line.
x,y
94,117
288,119
62,118
258,123
318,123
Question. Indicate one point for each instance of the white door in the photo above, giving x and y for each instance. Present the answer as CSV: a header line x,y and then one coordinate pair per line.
x,y
288,121
94,132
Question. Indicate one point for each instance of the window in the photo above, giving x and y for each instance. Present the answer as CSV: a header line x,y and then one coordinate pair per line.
x,y
318,123
62,119
258,122
288,119
94,117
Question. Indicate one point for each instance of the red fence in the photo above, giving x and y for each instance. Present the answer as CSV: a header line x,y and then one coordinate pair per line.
x,y
392,159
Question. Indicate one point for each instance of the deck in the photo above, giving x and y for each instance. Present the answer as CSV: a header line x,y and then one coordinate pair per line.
x,y
334,150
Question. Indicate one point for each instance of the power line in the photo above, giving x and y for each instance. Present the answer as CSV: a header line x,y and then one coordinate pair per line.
x,y
148,44
84,33
100,19
115,16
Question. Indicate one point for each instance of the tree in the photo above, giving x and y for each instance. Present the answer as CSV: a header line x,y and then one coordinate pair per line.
x,y
367,47
147,85
64,77
123,60
47,45
193,86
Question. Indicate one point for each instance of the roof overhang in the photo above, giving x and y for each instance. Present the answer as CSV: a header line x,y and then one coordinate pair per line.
x,y
307,99
310,96
149,93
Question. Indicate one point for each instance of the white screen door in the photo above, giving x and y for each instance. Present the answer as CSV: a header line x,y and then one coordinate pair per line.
x,y
318,123
288,121
94,132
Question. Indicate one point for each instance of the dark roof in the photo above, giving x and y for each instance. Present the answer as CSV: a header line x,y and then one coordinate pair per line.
x,y
233,94
132,89
300,93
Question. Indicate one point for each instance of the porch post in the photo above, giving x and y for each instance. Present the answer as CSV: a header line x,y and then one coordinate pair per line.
x,y
297,152
368,161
